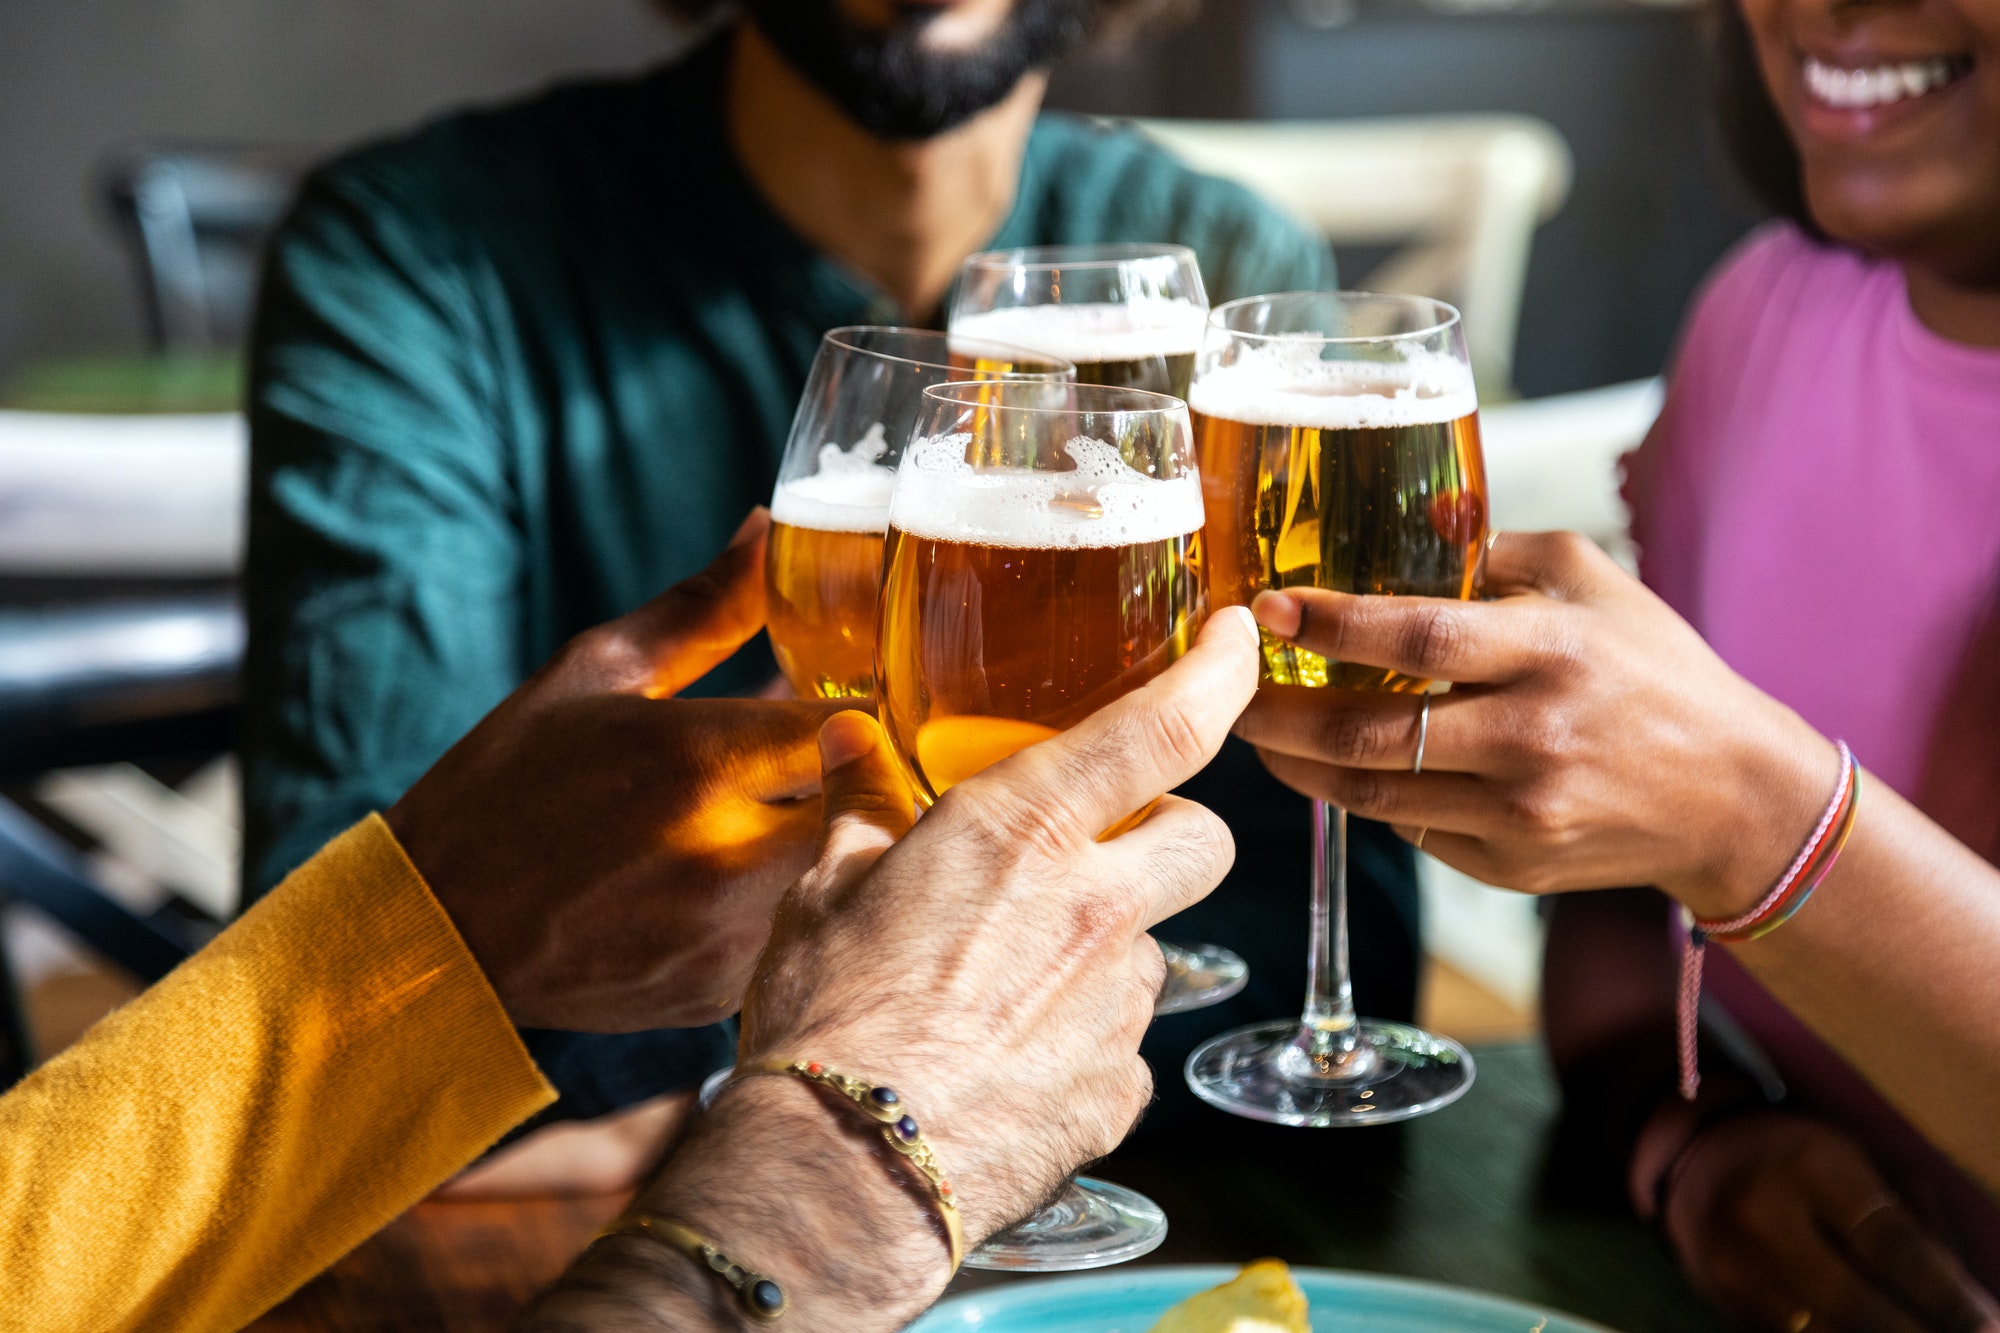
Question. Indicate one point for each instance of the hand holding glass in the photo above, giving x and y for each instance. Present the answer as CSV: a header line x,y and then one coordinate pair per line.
x,y
1044,559
1339,445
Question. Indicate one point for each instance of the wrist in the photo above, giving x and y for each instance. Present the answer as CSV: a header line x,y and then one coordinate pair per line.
x,y
1781,777
784,1184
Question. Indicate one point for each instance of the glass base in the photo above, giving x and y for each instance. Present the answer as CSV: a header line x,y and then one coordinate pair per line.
x,y
1199,976
1277,1072
1092,1224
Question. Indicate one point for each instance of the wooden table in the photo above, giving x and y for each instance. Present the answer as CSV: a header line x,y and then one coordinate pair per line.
x,y
1455,1197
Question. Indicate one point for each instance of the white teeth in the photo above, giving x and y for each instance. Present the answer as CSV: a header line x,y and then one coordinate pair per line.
x,y
1860,88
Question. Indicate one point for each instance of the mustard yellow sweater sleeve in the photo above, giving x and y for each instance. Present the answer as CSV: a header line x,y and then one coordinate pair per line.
x,y
322,1065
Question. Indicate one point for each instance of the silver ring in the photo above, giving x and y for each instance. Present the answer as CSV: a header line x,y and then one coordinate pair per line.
x,y
1423,734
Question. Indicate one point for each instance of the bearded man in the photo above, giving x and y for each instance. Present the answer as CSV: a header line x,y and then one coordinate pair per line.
x,y
515,373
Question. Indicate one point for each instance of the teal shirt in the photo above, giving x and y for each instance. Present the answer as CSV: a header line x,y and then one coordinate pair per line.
x,y
516,373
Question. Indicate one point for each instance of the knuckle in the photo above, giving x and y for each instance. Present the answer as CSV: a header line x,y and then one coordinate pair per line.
x,y
1539,812
595,652
1367,793
1005,831
1176,727
1349,736
1432,640
1097,921
1571,551
1193,854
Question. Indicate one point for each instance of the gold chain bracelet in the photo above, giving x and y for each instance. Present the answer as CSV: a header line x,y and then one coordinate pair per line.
x,y
761,1297
900,1131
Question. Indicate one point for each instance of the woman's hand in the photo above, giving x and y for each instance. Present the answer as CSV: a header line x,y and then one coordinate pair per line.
x,y
1590,738
1784,1223
610,853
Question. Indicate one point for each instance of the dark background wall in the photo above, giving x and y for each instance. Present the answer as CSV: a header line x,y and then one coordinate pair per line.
x,y
79,77
1651,209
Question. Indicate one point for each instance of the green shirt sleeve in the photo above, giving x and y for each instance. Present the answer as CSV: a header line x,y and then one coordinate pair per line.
x,y
384,557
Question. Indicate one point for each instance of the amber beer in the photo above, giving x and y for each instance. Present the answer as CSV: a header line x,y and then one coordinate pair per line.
x,y
1016,606
1147,345
822,576
1347,477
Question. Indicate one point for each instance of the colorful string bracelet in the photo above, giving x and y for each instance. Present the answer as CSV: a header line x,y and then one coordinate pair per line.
x,y
884,1105
1807,870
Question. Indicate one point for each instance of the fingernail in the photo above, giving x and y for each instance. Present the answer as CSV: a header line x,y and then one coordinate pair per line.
x,y
1240,617
748,528
844,739
1278,613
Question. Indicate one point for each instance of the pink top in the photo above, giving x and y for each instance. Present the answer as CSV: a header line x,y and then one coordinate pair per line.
x,y
1821,499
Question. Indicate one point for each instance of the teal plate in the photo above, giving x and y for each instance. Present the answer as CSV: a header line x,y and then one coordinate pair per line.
x,y
1128,1300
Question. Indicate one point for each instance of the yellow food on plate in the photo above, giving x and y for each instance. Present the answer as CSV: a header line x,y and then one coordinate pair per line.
x,y
1260,1299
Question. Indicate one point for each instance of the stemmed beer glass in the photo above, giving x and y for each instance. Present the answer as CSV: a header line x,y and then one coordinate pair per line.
x,y
1043,559
1339,445
1129,315
823,562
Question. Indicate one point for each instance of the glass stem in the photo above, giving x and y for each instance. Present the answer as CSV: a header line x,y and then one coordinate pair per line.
x,y
1329,1044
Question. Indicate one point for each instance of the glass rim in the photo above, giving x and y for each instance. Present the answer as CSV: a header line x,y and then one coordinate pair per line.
x,y
966,392
1104,254
841,337
1451,318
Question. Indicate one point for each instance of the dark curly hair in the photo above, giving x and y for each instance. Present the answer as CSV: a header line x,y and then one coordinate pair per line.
x,y
1752,130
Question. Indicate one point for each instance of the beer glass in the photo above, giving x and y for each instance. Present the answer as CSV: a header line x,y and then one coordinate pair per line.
x,y
1338,436
1129,315
1044,559
823,561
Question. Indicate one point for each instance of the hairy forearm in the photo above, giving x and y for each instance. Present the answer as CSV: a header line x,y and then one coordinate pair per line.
x,y
1893,964
786,1185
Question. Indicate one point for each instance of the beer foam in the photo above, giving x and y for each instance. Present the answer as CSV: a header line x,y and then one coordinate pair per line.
x,y
1098,331
848,493
1102,502
1284,382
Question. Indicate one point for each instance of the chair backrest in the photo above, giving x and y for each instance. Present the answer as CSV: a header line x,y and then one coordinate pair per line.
x,y
1459,196
196,219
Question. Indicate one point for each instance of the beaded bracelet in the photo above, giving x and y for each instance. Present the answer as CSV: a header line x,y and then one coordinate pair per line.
x,y
900,1131
761,1297
1807,870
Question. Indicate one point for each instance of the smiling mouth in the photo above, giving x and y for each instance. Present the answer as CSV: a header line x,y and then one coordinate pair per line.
x,y
1880,85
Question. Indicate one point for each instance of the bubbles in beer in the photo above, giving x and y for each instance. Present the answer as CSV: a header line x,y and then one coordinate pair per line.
x,y
1101,502
849,492
1090,332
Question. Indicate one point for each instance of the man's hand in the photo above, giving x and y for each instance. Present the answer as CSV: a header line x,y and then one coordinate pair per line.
x,y
1782,1220
995,963
993,966
1591,739
610,853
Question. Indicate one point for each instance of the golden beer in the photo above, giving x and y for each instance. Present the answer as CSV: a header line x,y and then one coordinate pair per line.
x,y
821,588
823,572
1361,489
823,564
1016,607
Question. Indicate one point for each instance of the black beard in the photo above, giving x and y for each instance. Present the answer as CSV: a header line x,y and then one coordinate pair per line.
x,y
894,87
